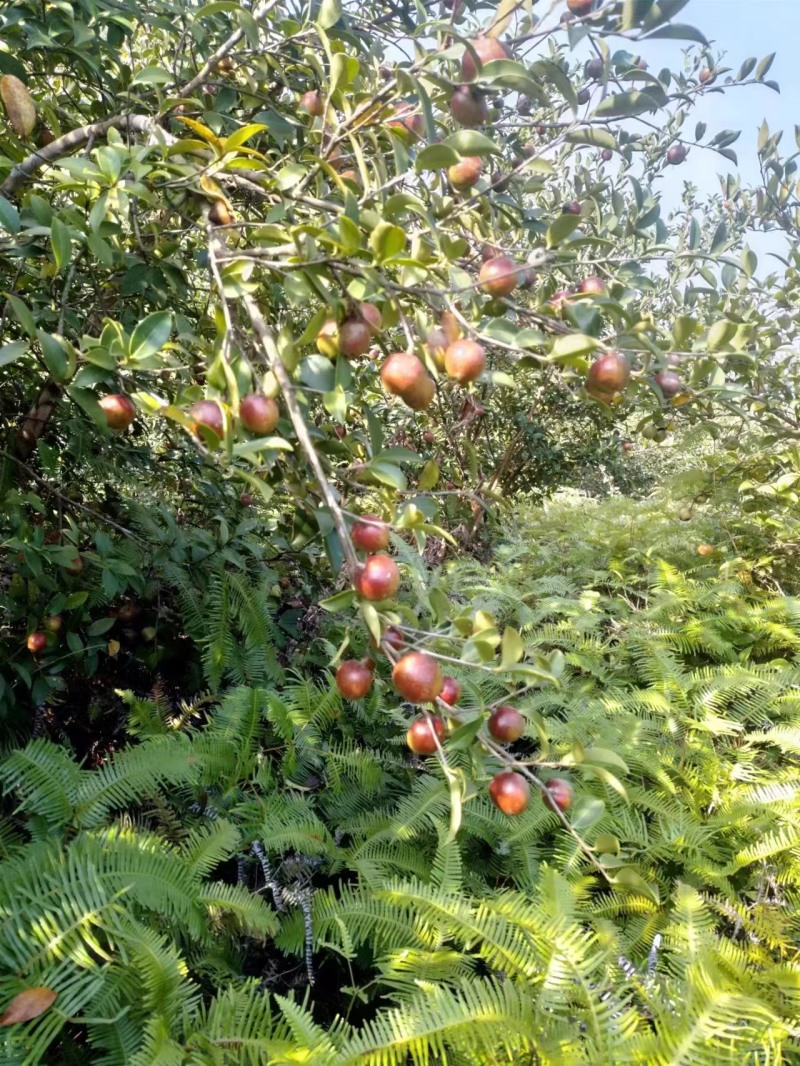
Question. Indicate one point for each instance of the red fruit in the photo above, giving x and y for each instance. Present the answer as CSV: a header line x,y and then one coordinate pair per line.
x,y
245,499
370,534
451,691
466,172
220,214
118,409
559,794
627,446
394,638
593,286
428,436
75,566
608,375
464,360
573,207
372,316
207,413
580,7
490,251
355,337
422,732
606,155
259,414
706,76
418,677
127,612
499,276
487,49
468,107
53,623
37,642
405,119
378,578
340,431
509,792
676,154
404,375
558,299
353,679
669,383
312,103
506,724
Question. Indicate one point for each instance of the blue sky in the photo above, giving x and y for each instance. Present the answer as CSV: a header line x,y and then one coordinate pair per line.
x,y
739,28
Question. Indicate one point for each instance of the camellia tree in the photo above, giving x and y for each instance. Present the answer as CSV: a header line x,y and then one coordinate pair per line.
x,y
364,270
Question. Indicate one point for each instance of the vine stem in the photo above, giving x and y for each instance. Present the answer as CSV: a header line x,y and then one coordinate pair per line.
x,y
266,340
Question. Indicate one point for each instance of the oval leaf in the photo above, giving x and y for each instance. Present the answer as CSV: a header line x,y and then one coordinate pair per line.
x,y
28,1005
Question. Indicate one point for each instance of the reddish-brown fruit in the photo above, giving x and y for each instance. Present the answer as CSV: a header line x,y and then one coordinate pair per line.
x,y
340,431
428,436
259,414
490,251
706,75
487,49
207,413
608,375
451,691
312,102
407,119
573,207
220,214
558,299
705,549
676,154
583,96
285,583
46,136
353,679
606,155
593,286
75,566
580,7
669,383
417,677
468,107
351,175
355,337
594,68
378,578
421,736
627,446
127,612
53,623
558,796
394,638
404,375
465,173
499,276
372,316
37,642
506,724
118,409
509,792
370,534
464,361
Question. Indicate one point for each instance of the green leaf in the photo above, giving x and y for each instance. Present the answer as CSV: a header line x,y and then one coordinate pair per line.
x,y
600,138
749,262
588,813
471,142
329,13
372,621
764,65
678,31
512,649
237,139
628,879
634,102
102,625
150,335
719,335
605,757
429,476
59,356
61,242
152,76
9,216
340,602
462,737
22,314
387,241
436,157
571,345
12,351
559,230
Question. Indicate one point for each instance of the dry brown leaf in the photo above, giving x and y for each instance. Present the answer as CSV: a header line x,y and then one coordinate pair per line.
x,y
19,105
28,1004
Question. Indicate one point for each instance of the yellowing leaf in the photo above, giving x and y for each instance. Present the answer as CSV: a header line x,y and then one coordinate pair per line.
x,y
28,1005
19,105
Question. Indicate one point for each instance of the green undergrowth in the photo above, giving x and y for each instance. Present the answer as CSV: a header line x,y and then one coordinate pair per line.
x,y
168,894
